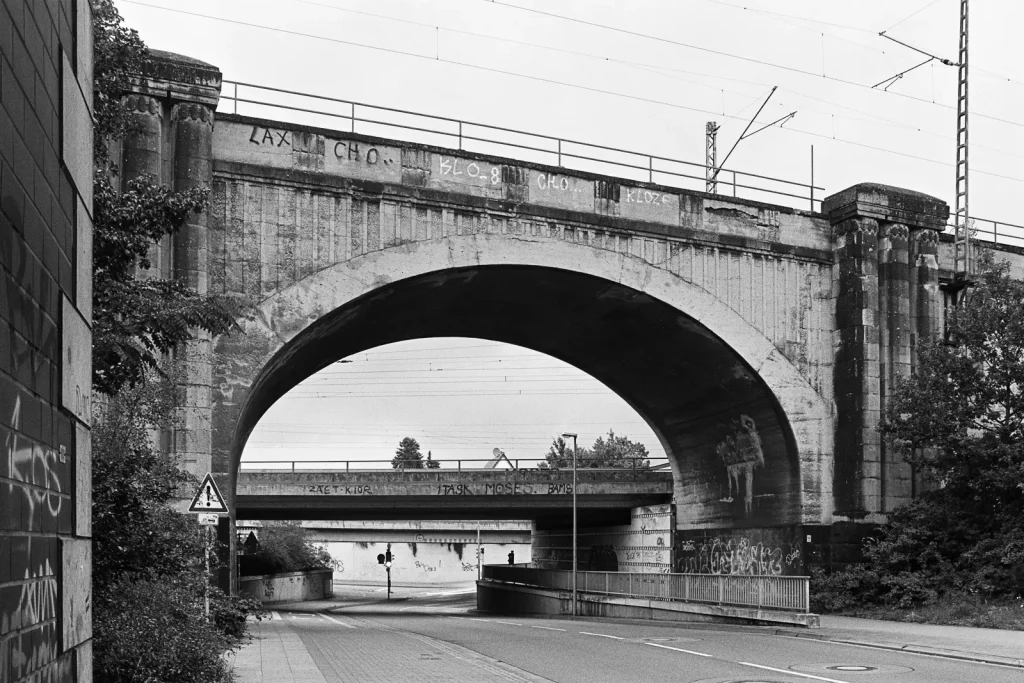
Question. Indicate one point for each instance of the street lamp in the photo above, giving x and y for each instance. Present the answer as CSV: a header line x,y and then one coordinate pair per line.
x,y
574,542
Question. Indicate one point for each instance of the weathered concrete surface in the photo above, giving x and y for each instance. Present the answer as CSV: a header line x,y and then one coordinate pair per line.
x,y
315,584
757,341
352,242
503,598
425,494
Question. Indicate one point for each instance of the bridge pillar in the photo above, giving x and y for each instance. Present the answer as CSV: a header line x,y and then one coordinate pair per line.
x,y
174,103
887,301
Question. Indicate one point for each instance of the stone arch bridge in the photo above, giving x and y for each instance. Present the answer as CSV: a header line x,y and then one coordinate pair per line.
x,y
756,340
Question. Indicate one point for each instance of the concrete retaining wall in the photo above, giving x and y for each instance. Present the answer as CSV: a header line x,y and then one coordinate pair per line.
x,y
418,562
502,598
291,587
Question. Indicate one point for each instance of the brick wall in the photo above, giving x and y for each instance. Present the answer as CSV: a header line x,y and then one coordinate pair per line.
x,y
45,314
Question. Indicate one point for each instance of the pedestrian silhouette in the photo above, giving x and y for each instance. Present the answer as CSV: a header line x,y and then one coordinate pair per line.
x,y
511,556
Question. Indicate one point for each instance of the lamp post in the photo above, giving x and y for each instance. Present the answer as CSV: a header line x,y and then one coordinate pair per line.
x,y
574,542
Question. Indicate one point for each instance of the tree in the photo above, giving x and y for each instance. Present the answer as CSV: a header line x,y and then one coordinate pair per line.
x,y
959,419
614,452
135,319
430,463
148,565
287,547
408,455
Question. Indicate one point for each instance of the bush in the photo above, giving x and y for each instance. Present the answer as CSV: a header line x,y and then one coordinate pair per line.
x,y
839,591
150,629
286,548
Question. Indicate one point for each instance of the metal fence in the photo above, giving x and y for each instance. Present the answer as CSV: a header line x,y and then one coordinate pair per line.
x,y
446,465
369,119
994,232
788,593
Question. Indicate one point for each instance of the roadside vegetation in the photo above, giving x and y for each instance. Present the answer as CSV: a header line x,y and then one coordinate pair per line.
x,y
284,547
149,570
955,555
611,451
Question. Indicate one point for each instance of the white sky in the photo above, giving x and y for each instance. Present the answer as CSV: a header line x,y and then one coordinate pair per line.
x,y
513,64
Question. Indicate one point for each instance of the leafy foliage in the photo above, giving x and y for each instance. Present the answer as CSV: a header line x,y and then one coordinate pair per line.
x,y
430,463
287,548
612,452
408,455
960,420
136,319
168,639
148,560
118,55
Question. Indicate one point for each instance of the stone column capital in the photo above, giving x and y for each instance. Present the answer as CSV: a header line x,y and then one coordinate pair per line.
x,y
887,204
175,78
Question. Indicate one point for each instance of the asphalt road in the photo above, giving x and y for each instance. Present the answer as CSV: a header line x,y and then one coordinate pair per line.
x,y
593,650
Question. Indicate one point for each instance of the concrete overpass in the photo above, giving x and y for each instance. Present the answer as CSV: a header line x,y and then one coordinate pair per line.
x,y
604,497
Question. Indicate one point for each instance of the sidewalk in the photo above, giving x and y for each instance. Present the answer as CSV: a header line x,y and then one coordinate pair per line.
x,y
993,646
310,647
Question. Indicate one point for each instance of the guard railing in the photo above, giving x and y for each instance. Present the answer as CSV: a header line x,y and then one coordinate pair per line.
x,y
483,138
447,465
787,593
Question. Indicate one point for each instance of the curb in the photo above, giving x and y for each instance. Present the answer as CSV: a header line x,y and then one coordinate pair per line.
x,y
915,649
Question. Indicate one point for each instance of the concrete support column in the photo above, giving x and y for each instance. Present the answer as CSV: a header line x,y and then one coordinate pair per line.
x,y
141,155
175,100
894,347
856,468
880,311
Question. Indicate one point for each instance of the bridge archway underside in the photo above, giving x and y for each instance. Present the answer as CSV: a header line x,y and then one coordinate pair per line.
x,y
721,342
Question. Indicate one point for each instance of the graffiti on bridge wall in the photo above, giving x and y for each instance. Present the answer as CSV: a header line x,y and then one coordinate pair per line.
x,y
737,556
741,452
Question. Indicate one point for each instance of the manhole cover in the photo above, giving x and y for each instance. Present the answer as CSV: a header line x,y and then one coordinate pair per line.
x,y
851,667
854,669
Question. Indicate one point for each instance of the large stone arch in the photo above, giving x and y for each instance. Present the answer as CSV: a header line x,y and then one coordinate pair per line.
x,y
285,341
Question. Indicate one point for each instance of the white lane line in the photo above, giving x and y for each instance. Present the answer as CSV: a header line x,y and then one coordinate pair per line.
x,y
337,621
679,649
474,619
601,635
791,673
549,628
510,623
275,615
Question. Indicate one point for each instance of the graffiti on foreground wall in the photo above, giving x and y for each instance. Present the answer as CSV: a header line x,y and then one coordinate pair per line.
x,y
741,452
737,557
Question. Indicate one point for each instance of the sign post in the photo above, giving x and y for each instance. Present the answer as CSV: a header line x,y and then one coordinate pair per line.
x,y
209,504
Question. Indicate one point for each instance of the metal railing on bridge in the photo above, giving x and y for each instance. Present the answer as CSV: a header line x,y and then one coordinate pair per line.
x,y
448,465
786,593
999,233
482,138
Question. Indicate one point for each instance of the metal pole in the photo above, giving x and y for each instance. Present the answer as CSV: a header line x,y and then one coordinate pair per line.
x,y
478,570
206,563
567,435
812,177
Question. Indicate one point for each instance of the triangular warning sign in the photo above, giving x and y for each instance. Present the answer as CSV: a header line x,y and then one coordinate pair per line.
x,y
208,498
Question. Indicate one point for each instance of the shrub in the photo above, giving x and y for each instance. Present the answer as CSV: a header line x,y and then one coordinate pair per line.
x,y
287,548
150,629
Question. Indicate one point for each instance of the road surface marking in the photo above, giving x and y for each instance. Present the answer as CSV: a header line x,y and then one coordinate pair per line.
x,y
275,616
337,621
679,649
473,619
548,628
791,673
510,623
601,635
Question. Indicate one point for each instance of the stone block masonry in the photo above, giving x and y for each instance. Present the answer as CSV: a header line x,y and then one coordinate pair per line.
x,y
45,340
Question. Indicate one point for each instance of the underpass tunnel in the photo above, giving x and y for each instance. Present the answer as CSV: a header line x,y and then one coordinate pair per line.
x,y
731,449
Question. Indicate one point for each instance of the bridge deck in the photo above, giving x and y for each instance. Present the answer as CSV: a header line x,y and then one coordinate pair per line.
x,y
438,494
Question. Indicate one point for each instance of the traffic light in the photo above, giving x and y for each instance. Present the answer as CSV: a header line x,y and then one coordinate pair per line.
x,y
388,558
